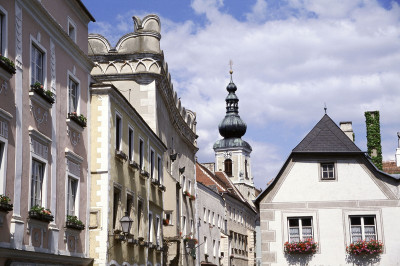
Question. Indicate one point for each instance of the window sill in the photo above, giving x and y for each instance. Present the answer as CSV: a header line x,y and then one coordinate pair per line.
x,y
42,100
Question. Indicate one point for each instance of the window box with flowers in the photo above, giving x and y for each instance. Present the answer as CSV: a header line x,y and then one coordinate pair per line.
x,y
41,214
165,222
47,95
371,247
5,205
162,187
302,247
7,64
79,119
192,197
74,223
186,193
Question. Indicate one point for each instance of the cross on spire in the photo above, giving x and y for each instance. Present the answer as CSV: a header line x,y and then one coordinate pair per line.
x,y
230,68
325,108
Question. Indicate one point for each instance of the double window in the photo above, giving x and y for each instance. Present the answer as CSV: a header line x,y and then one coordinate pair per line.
x,y
362,228
300,229
37,182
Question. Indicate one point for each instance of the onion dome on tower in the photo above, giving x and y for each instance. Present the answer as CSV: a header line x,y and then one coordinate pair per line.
x,y
232,127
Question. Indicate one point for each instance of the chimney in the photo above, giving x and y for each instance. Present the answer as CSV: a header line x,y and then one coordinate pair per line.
x,y
398,150
374,137
347,128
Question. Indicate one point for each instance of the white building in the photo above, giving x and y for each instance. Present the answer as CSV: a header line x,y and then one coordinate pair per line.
x,y
329,190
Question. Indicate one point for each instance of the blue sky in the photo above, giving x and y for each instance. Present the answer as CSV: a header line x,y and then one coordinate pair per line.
x,y
290,58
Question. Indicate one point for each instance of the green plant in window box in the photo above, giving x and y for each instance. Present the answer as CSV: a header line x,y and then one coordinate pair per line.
x,y
7,64
40,213
80,120
5,205
48,95
307,246
74,223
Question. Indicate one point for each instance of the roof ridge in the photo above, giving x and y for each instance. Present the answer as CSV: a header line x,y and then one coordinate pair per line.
x,y
205,171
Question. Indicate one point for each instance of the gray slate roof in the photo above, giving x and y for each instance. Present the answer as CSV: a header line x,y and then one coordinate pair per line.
x,y
326,136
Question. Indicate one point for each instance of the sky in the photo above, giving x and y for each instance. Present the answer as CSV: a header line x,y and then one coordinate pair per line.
x,y
291,58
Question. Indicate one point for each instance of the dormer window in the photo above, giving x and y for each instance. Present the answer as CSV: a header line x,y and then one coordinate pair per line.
x,y
328,171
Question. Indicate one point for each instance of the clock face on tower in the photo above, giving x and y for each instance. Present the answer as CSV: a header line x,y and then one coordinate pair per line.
x,y
227,154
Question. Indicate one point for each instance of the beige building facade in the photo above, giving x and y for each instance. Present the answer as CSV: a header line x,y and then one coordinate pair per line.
x,y
44,141
127,180
136,67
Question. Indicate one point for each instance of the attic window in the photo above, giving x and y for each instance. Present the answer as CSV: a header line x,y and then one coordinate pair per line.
x,y
328,171
71,29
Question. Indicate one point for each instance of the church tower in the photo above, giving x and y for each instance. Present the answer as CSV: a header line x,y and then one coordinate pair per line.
x,y
232,154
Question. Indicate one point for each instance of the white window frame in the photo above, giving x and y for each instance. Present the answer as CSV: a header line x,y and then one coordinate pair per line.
x,y
190,186
209,216
38,46
191,226
362,225
300,221
321,171
118,129
213,218
205,214
205,245
315,224
214,248
36,160
363,212
45,142
75,205
72,158
72,78
184,182
131,143
140,216
72,24
4,31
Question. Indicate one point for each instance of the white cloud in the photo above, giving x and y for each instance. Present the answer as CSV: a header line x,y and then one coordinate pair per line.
x,y
346,54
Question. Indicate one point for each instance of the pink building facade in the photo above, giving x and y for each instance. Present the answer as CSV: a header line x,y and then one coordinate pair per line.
x,y
44,141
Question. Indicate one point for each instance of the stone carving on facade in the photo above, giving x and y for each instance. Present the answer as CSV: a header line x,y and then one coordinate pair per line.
x,y
39,114
227,154
4,86
74,136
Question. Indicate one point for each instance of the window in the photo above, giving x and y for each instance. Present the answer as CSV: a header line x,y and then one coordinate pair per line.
x,y
327,171
130,143
213,218
37,65
219,248
228,167
140,217
245,169
218,221
191,226
71,195
118,132
129,204
168,216
190,186
152,164
158,238
73,96
362,228
141,153
3,31
209,216
184,182
116,200
300,229
150,227
159,170
71,30
214,249
205,215
37,182
2,167
184,225
205,245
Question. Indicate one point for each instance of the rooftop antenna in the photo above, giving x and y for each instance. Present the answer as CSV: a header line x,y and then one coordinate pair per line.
x,y
325,108
230,69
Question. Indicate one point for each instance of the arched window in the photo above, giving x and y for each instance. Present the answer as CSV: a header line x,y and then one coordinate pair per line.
x,y
245,169
228,167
